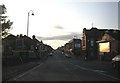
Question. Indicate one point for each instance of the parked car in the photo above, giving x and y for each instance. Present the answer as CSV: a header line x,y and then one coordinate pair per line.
x,y
68,56
51,54
116,61
62,52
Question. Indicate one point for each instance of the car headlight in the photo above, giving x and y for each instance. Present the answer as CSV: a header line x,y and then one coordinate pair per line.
x,y
117,59
113,59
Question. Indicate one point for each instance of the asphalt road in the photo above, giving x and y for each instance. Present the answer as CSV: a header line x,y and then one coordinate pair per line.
x,y
61,68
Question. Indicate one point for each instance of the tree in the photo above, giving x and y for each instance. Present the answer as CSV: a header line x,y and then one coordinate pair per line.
x,y
6,24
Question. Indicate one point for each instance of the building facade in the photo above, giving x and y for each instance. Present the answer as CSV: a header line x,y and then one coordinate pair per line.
x,y
110,44
22,49
91,37
89,45
75,46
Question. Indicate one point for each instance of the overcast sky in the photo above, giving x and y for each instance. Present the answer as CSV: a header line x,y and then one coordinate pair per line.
x,y
58,21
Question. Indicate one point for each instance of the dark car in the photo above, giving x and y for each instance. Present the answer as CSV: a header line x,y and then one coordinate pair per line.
x,y
116,61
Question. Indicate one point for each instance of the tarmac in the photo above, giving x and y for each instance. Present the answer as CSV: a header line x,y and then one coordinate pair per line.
x,y
14,70
9,72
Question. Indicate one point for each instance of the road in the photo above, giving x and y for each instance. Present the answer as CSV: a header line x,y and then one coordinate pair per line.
x,y
60,68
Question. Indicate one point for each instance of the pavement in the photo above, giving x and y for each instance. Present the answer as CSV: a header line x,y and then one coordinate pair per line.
x,y
12,71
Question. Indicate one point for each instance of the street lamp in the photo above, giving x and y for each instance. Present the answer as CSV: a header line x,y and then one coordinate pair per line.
x,y
28,20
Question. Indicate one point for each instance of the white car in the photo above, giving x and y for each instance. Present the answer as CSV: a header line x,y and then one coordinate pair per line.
x,y
67,55
62,52
51,54
116,61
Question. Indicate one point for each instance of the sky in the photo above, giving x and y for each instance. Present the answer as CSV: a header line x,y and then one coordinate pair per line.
x,y
58,21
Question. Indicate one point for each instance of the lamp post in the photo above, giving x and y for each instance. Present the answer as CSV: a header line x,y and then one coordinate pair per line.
x,y
28,20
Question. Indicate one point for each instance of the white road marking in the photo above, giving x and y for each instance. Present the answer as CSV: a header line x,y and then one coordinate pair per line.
x,y
98,71
24,73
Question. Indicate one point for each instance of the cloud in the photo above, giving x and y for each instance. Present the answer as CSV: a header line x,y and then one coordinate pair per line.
x,y
69,36
58,27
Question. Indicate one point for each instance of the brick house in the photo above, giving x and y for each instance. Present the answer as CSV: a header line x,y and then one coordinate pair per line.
x,y
89,42
112,38
75,46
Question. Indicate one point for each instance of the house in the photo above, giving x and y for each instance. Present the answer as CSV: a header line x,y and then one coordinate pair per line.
x,y
8,45
22,47
75,46
23,42
109,45
89,44
40,49
66,48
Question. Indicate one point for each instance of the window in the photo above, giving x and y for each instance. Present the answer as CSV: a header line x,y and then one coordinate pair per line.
x,y
19,43
92,43
77,45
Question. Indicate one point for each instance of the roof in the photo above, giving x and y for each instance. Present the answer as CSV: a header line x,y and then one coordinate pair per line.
x,y
114,33
94,32
100,32
9,37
